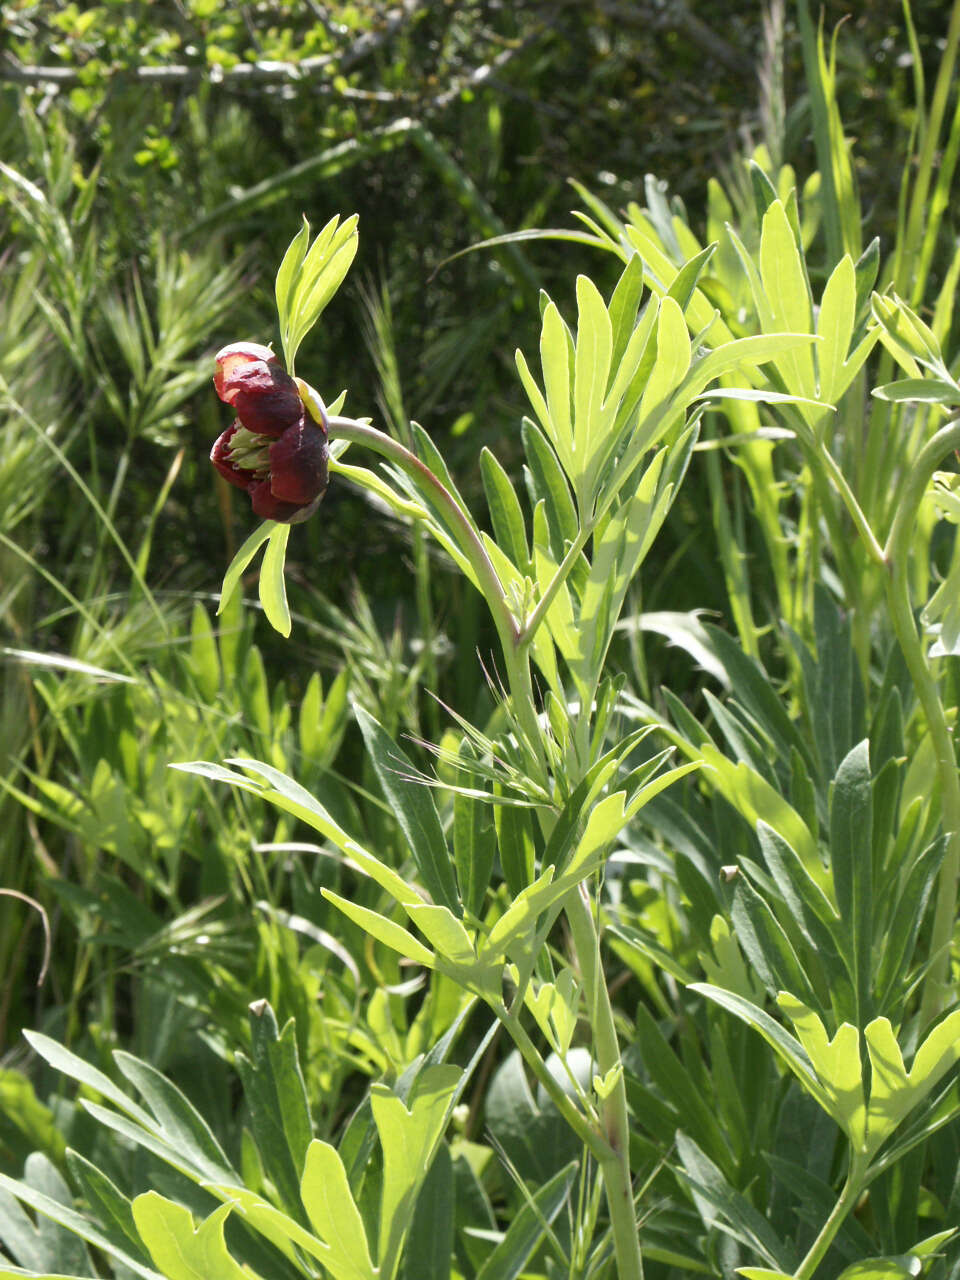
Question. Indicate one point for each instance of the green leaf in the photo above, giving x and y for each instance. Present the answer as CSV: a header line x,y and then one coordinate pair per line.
x,y
26,1124
619,550
556,1006
430,1241
514,828
835,326
287,277
51,1245
18,1273
559,616
474,840
920,391
684,284
867,269
319,277
788,293
270,1222
591,370
409,1134
851,857
894,1092
905,335
108,1203
803,898
291,797
624,305
756,693
904,924
238,564
629,378
415,811
787,1048
837,1066
756,800
505,511
529,1226
444,931
334,1215
333,723
308,723
764,192
513,934
555,362
697,1113
277,1101
713,1195
273,590
549,486
62,1059
181,1251
766,943
672,362
930,1245
204,659
177,1122
70,1220
386,931
883,1268
760,395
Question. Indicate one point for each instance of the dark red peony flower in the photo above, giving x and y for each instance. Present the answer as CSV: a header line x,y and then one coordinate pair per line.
x,y
275,450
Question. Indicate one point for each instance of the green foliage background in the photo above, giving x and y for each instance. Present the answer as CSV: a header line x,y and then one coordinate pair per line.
x,y
157,160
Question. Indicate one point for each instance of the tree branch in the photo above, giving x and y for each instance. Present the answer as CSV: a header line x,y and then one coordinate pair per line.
x,y
265,71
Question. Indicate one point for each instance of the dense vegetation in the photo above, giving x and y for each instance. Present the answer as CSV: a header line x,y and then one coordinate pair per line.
x,y
785,636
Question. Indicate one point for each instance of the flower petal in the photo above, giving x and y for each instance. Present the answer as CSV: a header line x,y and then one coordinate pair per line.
x,y
298,463
267,507
220,457
250,379
252,349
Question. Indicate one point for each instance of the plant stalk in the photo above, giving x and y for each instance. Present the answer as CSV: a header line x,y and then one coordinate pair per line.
x,y
897,557
488,580
612,1151
469,542
847,1199
575,1118
615,1166
855,511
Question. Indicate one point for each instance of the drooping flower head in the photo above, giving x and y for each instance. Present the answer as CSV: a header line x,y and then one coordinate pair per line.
x,y
275,450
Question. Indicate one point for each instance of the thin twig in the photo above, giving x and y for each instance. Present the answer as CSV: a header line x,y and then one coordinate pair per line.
x,y
15,893
264,70
480,74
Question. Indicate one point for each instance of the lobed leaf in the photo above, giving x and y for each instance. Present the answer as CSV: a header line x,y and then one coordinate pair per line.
x,y
334,1215
409,1134
182,1251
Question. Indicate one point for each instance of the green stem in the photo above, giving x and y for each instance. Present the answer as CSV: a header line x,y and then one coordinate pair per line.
x,y
848,1198
532,624
832,468
574,1117
467,538
615,1165
612,1150
897,556
469,542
